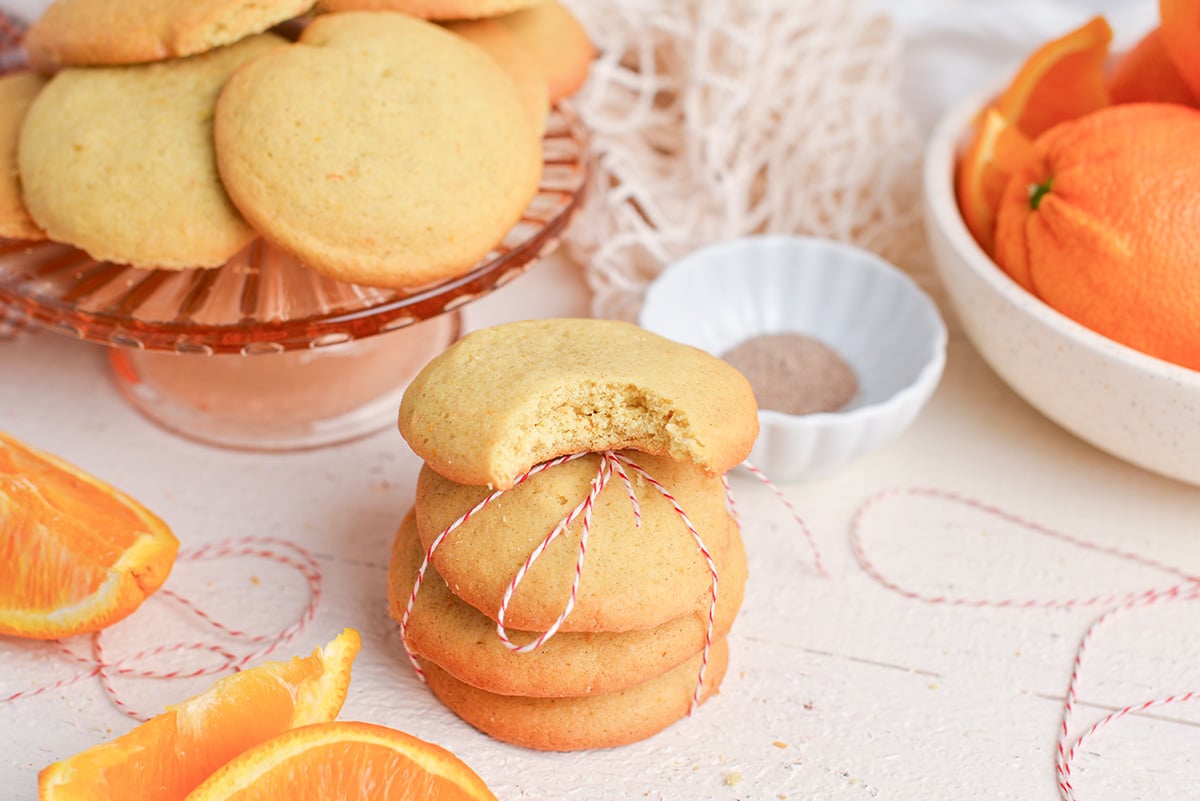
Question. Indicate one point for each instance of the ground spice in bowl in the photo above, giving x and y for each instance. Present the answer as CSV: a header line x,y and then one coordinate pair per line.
x,y
794,373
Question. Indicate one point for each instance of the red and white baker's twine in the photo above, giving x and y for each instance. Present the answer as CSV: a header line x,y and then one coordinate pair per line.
x,y
818,563
229,658
1187,589
611,463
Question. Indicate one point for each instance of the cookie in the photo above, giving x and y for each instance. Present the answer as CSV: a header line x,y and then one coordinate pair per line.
x,y
107,32
432,9
595,721
379,149
463,641
503,399
118,161
558,43
17,91
633,578
495,40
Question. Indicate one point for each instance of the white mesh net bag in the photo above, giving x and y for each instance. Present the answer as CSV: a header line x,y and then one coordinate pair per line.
x,y
713,119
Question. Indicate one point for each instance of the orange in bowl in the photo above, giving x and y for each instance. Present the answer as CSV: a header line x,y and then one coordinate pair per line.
x,y
997,150
1146,74
1061,80
1181,38
1135,406
1100,221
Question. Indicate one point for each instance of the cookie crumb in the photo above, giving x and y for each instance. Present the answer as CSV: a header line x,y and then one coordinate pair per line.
x,y
733,778
779,744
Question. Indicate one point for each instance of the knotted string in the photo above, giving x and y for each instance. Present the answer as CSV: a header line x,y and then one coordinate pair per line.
x,y
611,463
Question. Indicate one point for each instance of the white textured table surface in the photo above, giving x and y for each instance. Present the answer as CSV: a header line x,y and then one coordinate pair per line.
x,y
838,688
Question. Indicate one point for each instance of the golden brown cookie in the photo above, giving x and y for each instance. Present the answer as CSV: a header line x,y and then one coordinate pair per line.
x,y
118,161
380,149
432,9
633,578
503,399
595,721
497,42
106,32
558,43
464,642
17,91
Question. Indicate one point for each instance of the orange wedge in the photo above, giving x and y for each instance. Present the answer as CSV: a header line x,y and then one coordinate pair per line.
x,y
997,150
344,760
1180,25
170,755
76,554
1062,80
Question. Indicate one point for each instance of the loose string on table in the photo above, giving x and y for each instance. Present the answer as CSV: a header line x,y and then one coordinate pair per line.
x,y
818,562
228,658
611,463
1066,748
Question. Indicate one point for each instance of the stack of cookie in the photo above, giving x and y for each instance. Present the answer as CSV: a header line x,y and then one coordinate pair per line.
x,y
491,413
378,147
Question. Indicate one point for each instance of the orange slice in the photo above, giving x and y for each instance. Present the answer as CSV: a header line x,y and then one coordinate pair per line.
x,y
76,554
168,756
345,760
1062,80
997,150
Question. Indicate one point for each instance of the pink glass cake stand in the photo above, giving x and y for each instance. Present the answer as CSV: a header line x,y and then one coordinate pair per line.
x,y
263,353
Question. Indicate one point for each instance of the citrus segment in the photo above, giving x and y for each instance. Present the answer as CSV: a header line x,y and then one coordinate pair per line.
x,y
1062,80
1180,26
76,554
168,756
996,151
1098,226
1146,74
345,760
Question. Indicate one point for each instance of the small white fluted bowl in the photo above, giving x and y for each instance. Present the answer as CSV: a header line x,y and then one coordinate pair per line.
x,y
869,312
1138,408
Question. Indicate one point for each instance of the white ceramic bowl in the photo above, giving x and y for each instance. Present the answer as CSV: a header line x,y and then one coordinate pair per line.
x,y
870,313
1136,407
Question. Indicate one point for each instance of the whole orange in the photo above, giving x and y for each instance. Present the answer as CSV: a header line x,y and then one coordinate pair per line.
x,y
1146,74
1101,223
1180,25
